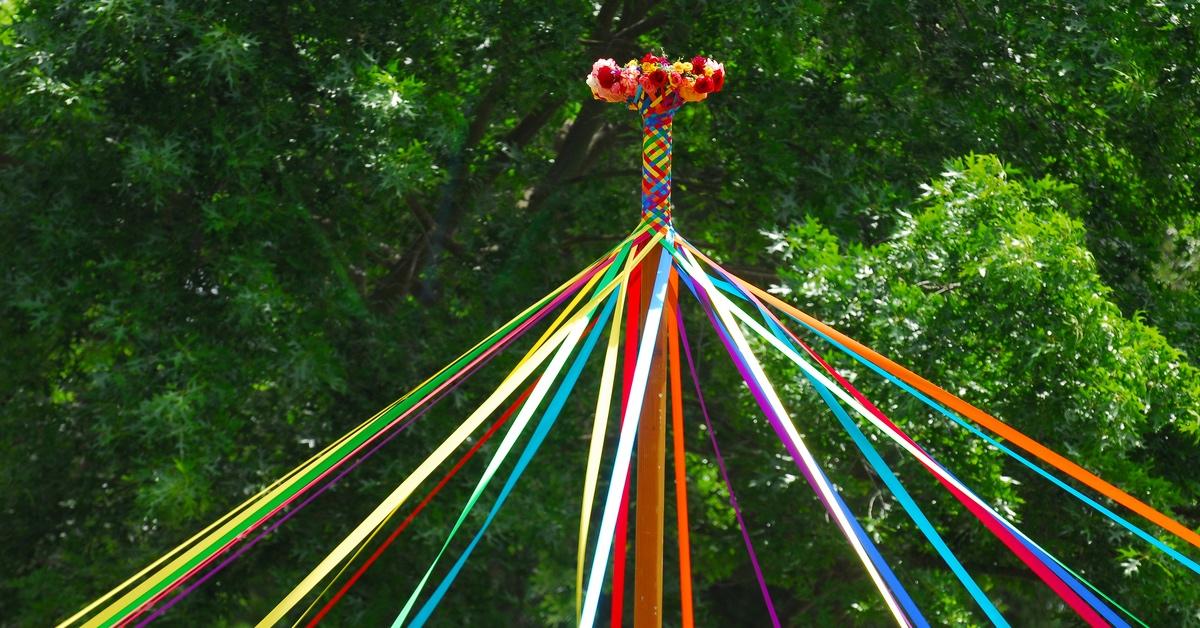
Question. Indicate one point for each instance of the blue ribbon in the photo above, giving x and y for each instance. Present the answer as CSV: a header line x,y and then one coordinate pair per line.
x,y
1049,560
885,571
1125,523
531,448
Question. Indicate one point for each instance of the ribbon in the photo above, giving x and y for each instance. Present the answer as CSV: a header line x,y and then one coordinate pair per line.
x,y
1080,599
883,470
619,554
737,510
984,419
358,573
889,587
687,616
191,556
531,448
1163,547
596,443
506,445
629,424
401,493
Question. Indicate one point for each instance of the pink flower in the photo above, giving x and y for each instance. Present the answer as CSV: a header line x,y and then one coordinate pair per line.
x,y
603,63
716,73
605,81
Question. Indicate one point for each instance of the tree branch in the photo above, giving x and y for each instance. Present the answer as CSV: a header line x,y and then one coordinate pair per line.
x,y
533,122
451,206
428,223
573,153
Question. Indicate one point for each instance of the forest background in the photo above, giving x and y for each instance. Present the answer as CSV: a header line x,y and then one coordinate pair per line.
x,y
230,231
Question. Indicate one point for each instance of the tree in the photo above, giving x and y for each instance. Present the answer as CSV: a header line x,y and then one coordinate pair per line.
x,y
233,230
988,288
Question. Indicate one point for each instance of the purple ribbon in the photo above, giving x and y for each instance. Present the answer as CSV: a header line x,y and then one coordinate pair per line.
x,y
737,510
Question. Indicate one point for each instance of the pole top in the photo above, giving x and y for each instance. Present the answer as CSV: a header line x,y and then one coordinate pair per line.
x,y
655,86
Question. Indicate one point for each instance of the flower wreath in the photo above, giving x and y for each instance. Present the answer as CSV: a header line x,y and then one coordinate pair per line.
x,y
693,80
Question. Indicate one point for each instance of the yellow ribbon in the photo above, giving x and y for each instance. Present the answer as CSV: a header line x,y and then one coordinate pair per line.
x,y
402,492
236,517
596,446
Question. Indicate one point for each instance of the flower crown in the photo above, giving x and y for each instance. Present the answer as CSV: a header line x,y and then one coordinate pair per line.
x,y
657,77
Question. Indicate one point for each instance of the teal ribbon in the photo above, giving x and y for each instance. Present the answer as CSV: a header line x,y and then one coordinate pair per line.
x,y
893,483
531,448
1098,507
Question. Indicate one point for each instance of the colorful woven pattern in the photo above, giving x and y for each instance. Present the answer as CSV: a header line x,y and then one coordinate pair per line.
x,y
656,159
656,88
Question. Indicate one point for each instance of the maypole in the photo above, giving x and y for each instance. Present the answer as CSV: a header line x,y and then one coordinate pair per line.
x,y
651,470
658,114
656,89
633,290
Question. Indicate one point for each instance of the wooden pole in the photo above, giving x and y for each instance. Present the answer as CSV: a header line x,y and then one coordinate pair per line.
x,y
658,114
651,471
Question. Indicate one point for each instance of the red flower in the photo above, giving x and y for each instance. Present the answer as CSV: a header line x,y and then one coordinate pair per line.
x,y
607,77
658,78
698,64
718,80
650,58
704,85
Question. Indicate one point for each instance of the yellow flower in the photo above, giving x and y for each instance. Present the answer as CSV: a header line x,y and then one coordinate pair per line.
x,y
632,63
687,66
678,66
649,67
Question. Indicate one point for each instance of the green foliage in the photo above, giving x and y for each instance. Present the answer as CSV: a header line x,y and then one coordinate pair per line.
x,y
231,231
989,289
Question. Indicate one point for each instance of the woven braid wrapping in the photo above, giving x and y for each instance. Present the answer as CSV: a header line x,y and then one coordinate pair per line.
x,y
658,113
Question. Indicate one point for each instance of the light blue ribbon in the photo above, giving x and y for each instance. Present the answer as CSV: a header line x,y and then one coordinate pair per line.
x,y
549,417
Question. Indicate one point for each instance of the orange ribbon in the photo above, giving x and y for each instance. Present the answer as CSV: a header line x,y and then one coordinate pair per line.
x,y
984,419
